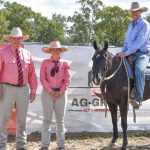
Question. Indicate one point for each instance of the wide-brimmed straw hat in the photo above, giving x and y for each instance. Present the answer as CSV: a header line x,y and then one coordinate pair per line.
x,y
16,32
136,6
54,45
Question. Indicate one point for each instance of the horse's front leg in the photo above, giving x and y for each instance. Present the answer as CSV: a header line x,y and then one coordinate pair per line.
x,y
113,110
123,112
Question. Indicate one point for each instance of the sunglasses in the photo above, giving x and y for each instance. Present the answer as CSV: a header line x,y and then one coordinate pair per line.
x,y
54,70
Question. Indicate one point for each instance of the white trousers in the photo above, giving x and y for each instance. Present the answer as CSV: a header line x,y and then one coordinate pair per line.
x,y
12,95
58,106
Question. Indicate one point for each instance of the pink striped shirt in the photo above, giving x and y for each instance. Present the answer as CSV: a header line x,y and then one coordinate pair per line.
x,y
9,69
59,80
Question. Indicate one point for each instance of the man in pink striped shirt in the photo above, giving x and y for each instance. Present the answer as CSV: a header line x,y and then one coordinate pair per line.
x,y
16,73
55,79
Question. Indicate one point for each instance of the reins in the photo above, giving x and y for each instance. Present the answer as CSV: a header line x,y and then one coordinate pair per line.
x,y
134,113
108,78
111,76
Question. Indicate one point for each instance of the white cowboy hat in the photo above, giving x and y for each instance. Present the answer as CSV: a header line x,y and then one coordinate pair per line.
x,y
136,6
16,32
54,45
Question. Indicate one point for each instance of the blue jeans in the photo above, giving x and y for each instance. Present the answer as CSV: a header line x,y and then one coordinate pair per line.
x,y
142,59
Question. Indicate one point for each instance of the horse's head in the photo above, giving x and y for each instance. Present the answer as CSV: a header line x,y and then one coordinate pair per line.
x,y
99,63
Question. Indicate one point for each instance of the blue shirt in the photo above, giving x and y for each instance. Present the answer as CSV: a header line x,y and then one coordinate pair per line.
x,y
137,37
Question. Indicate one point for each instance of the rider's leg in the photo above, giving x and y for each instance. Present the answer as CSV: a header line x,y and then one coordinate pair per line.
x,y
141,62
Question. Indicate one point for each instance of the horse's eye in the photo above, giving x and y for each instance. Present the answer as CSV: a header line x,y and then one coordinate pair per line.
x,y
98,56
105,55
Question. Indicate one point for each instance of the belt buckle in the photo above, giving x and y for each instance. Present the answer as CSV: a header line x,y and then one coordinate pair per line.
x,y
56,89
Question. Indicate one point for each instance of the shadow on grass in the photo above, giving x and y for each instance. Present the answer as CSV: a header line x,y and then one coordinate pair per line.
x,y
142,147
36,136
94,135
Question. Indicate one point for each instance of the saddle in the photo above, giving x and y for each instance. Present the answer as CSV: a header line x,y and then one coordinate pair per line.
x,y
129,62
130,67
147,72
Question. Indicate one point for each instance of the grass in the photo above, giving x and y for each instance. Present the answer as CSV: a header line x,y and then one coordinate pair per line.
x,y
138,140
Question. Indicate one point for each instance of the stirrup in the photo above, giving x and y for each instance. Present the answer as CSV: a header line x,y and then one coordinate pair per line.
x,y
134,103
136,107
140,103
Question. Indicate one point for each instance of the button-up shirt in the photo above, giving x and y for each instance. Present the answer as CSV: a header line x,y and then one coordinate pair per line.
x,y
9,68
137,37
61,79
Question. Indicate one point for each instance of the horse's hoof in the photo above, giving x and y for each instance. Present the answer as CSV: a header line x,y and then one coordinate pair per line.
x,y
114,146
123,148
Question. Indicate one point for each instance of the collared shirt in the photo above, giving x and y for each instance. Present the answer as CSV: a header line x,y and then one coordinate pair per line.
x,y
137,37
59,80
9,68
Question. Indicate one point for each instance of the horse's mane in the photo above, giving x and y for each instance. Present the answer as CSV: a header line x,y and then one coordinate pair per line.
x,y
113,56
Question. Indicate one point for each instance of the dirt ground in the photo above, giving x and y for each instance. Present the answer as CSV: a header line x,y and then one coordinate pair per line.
x,y
88,141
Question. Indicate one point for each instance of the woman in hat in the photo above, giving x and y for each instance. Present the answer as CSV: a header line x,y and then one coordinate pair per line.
x,y
55,79
137,43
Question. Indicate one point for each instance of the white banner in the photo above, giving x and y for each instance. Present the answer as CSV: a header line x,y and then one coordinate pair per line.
x,y
84,112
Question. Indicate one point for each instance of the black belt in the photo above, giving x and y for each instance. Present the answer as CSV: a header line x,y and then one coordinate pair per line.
x,y
17,85
139,50
56,89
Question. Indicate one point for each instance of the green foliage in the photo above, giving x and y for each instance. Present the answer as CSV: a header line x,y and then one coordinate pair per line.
x,y
82,28
93,21
98,22
4,23
148,18
79,30
112,25
40,29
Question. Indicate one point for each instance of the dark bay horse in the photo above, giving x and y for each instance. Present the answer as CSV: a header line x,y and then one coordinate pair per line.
x,y
109,72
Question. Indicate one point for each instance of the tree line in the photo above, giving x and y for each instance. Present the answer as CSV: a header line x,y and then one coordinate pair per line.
x,y
93,21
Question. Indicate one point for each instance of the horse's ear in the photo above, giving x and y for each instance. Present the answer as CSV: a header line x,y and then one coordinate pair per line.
x,y
95,45
105,45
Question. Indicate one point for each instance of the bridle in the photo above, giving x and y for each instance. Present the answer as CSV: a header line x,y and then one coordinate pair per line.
x,y
106,78
113,74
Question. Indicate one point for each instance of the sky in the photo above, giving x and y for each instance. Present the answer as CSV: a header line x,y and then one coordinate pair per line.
x,y
68,7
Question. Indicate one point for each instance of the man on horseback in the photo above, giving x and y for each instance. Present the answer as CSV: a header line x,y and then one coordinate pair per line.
x,y
137,43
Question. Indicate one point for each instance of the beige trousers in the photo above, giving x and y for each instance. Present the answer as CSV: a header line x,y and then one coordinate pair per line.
x,y
12,95
58,106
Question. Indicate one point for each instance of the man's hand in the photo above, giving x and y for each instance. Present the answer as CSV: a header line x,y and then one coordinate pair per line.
x,y
52,93
32,97
121,55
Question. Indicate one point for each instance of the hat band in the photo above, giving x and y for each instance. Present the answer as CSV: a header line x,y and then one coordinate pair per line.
x,y
55,47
